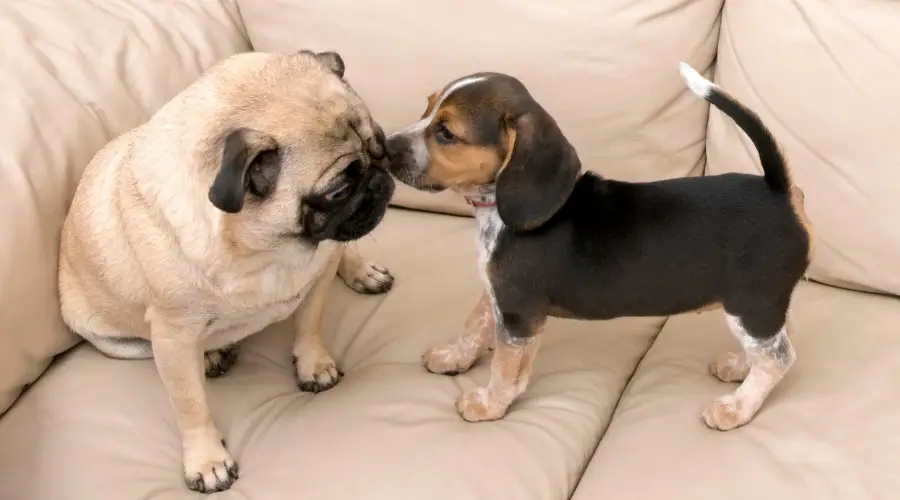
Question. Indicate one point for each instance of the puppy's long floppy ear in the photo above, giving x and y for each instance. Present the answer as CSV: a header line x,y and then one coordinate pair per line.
x,y
241,147
539,174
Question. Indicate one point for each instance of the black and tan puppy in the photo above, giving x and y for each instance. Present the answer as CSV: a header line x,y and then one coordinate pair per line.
x,y
557,241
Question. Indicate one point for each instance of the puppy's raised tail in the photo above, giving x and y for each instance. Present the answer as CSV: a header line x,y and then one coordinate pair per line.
x,y
774,166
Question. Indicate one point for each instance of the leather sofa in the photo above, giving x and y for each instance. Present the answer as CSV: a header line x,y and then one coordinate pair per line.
x,y
613,407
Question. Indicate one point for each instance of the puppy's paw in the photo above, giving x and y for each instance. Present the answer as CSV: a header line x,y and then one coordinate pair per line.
x,y
449,359
730,367
316,372
479,405
726,413
208,467
368,278
217,362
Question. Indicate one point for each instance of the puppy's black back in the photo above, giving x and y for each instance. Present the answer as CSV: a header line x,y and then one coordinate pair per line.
x,y
657,248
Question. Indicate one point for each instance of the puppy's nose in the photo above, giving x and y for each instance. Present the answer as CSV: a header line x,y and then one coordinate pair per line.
x,y
395,145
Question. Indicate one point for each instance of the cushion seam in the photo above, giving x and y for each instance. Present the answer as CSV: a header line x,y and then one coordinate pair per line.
x,y
616,407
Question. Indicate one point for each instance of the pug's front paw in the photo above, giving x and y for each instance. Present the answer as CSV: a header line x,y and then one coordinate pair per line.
x,y
368,278
316,371
208,467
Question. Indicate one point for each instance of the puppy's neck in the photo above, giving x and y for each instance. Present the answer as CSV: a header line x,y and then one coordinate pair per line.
x,y
481,197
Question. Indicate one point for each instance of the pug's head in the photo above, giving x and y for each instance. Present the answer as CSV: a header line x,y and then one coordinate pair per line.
x,y
300,156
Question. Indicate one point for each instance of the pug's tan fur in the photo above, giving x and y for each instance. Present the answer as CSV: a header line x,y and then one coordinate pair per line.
x,y
149,267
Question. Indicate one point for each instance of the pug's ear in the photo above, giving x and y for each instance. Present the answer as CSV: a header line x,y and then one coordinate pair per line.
x,y
241,147
331,60
540,171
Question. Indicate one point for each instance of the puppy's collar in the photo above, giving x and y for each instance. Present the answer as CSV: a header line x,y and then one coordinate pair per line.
x,y
484,197
481,202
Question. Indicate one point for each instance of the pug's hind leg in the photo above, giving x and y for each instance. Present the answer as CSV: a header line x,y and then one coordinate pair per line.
x,y
218,362
361,275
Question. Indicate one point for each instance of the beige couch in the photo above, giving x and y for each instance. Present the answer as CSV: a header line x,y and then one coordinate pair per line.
x,y
613,409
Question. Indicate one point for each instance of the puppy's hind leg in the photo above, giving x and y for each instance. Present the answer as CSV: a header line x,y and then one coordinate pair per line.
x,y
361,275
767,357
459,355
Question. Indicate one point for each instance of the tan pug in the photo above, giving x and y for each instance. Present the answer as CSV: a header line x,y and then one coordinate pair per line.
x,y
218,217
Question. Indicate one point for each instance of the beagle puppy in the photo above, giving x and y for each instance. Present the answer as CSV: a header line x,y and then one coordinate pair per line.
x,y
555,240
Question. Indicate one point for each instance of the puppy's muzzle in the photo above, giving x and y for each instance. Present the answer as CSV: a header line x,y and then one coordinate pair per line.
x,y
408,161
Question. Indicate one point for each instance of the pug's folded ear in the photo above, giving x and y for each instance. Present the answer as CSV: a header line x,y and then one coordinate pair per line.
x,y
331,60
241,148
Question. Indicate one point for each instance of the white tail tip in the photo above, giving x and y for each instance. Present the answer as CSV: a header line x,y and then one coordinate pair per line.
x,y
695,81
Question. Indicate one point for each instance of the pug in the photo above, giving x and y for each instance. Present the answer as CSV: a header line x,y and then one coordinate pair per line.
x,y
232,208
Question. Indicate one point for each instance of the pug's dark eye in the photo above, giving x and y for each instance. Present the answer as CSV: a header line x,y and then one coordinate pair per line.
x,y
443,134
339,193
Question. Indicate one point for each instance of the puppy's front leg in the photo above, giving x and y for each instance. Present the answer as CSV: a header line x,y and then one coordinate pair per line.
x,y
459,355
208,466
316,369
517,343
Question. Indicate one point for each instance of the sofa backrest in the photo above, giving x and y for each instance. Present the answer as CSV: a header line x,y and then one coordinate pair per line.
x,y
606,70
825,77
74,75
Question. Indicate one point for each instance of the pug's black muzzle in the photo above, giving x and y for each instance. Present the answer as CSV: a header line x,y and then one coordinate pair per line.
x,y
358,216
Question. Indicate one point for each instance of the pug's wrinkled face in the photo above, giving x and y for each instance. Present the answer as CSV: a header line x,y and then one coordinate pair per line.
x,y
304,160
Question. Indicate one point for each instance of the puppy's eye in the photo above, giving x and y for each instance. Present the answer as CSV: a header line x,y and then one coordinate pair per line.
x,y
339,193
443,134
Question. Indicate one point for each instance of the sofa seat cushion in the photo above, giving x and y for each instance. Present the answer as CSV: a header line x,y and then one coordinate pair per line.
x,y
607,71
73,75
98,428
829,431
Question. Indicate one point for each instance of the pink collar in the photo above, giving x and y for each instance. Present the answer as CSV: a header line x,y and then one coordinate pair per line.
x,y
481,204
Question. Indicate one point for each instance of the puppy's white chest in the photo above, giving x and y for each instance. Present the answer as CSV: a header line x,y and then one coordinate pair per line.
x,y
489,226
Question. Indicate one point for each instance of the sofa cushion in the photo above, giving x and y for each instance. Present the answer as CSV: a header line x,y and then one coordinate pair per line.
x,y
97,428
832,99
828,431
74,75
608,71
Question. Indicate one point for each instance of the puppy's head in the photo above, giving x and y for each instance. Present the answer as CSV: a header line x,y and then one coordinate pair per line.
x,y
484,133
297,154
